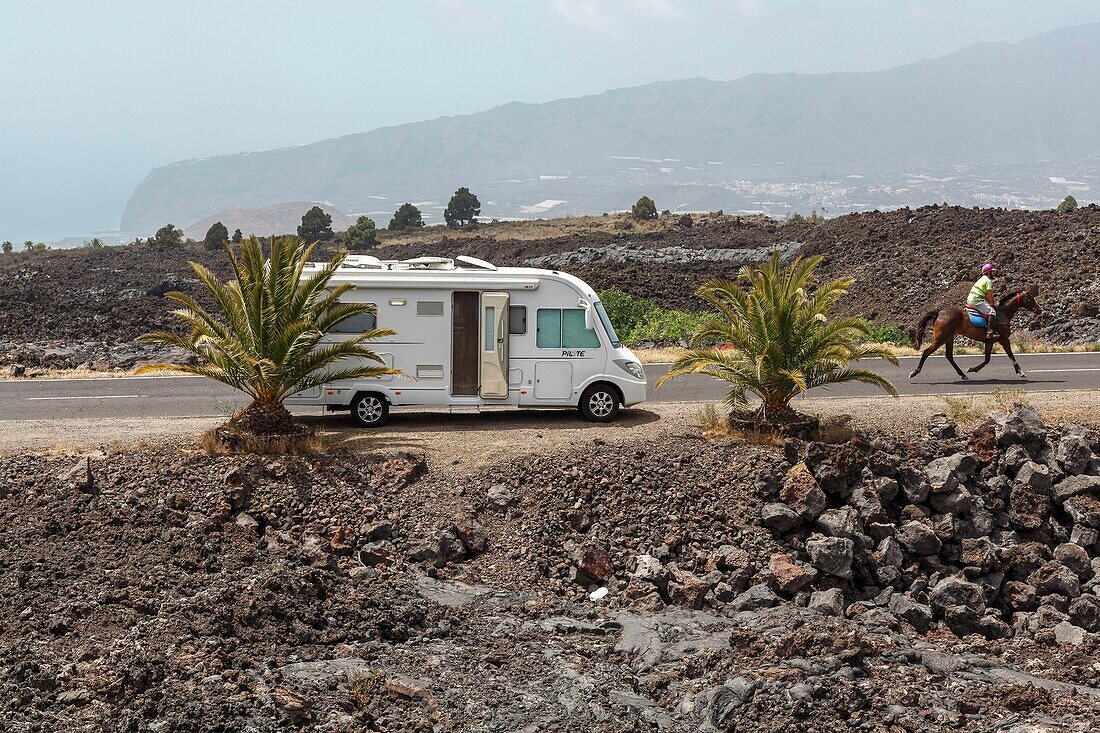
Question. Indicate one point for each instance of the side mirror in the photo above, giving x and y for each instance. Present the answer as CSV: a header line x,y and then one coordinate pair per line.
x,y
589,321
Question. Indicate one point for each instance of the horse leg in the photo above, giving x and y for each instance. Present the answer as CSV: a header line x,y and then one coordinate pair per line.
x,y
1007,346
924,356
951,360
988,356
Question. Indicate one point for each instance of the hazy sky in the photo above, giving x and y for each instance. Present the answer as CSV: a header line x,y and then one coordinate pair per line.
x,y
94,94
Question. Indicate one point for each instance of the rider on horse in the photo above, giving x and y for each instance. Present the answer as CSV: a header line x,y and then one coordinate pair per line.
x,y
981,299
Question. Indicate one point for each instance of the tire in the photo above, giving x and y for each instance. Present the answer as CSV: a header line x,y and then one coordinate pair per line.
x,y
600,403
370,410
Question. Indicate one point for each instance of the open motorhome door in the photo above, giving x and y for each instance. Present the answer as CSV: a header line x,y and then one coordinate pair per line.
x,y
494,345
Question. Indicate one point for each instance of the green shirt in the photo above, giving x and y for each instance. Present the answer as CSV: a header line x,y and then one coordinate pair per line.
x,y
978,292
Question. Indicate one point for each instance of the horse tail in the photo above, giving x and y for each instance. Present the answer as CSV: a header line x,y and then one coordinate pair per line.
x,y
922,326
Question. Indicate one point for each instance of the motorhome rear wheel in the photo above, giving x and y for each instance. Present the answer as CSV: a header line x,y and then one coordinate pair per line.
x,y
370,410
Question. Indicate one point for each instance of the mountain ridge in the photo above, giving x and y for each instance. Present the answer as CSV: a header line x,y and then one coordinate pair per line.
x,y
989,103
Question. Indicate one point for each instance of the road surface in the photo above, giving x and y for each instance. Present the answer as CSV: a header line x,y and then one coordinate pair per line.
x,y
152,397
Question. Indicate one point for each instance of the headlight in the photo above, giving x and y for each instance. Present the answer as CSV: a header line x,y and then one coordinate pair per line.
x,y
632,368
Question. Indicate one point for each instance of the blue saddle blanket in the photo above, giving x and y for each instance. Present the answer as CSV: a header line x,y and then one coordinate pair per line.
x,y
977,319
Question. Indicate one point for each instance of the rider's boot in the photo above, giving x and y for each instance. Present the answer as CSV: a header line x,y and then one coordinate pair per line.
x,y
990,334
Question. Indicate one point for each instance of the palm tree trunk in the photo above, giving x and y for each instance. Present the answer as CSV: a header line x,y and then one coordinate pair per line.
x,y
264,418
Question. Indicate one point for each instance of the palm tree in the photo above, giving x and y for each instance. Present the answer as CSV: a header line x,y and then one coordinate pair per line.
x,y
266,341
781,341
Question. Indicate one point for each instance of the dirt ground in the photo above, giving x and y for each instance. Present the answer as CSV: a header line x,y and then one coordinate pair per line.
x,y
471,440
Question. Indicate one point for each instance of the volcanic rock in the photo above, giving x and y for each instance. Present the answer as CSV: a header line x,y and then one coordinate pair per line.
x,y
1084,611
941,427
1028,508
1022,425
918,538
827,602
779,517
592,564
919,615
1072,486
1074,453
953,591
1084,509
831,555
1054,577
801,492
944,474
1035,476
1067,634
787,575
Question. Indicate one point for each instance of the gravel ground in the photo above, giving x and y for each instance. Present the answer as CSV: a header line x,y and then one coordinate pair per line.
x,y
571,577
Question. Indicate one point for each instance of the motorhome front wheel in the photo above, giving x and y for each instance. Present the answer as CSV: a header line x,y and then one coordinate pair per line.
x,y
370,410
599,403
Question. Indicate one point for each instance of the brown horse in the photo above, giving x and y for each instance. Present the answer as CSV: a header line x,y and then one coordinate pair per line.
x,y
952,322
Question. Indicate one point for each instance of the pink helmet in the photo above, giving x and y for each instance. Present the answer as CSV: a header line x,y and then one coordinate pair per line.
x,y
988,268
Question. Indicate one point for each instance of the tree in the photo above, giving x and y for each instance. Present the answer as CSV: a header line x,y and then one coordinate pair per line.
x,y
644,209
216,236
316,226
781,340
463,208
1068,204
28,246
168,236
363,234
237,236
95,243
407,216
266,340
7,248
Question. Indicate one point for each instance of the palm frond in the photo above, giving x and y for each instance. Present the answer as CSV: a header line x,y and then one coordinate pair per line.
x,y
776,319
267,335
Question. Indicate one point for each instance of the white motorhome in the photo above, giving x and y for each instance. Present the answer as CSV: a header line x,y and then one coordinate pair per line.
x,y
470,334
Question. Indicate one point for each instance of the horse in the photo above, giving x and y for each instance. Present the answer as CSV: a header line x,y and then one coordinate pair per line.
x,y
951,322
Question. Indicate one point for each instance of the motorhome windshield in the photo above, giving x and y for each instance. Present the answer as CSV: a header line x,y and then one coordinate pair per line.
x,y
615,342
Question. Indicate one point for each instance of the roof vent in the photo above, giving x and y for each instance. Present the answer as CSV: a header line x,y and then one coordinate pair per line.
x,y
429,263
474,262
362,262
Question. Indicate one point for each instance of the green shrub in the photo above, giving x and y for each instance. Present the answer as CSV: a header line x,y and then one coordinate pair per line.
x,y
644,209
639,319
888,333
363,234
215,237
1068,204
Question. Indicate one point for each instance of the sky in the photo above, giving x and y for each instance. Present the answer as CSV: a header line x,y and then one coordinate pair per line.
x,y
95,94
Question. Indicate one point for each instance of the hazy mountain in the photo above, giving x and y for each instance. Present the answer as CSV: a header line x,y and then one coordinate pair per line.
x,y
988,104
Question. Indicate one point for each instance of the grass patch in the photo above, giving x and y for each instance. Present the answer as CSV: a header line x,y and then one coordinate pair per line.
x,y
972,409
1006,400
309,443
962,410
713,423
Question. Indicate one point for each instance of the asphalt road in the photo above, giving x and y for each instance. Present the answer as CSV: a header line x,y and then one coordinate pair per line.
x,y
149,397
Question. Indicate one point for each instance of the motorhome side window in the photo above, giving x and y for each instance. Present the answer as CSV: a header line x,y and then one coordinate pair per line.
x,y
563,328
517,320
357,324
